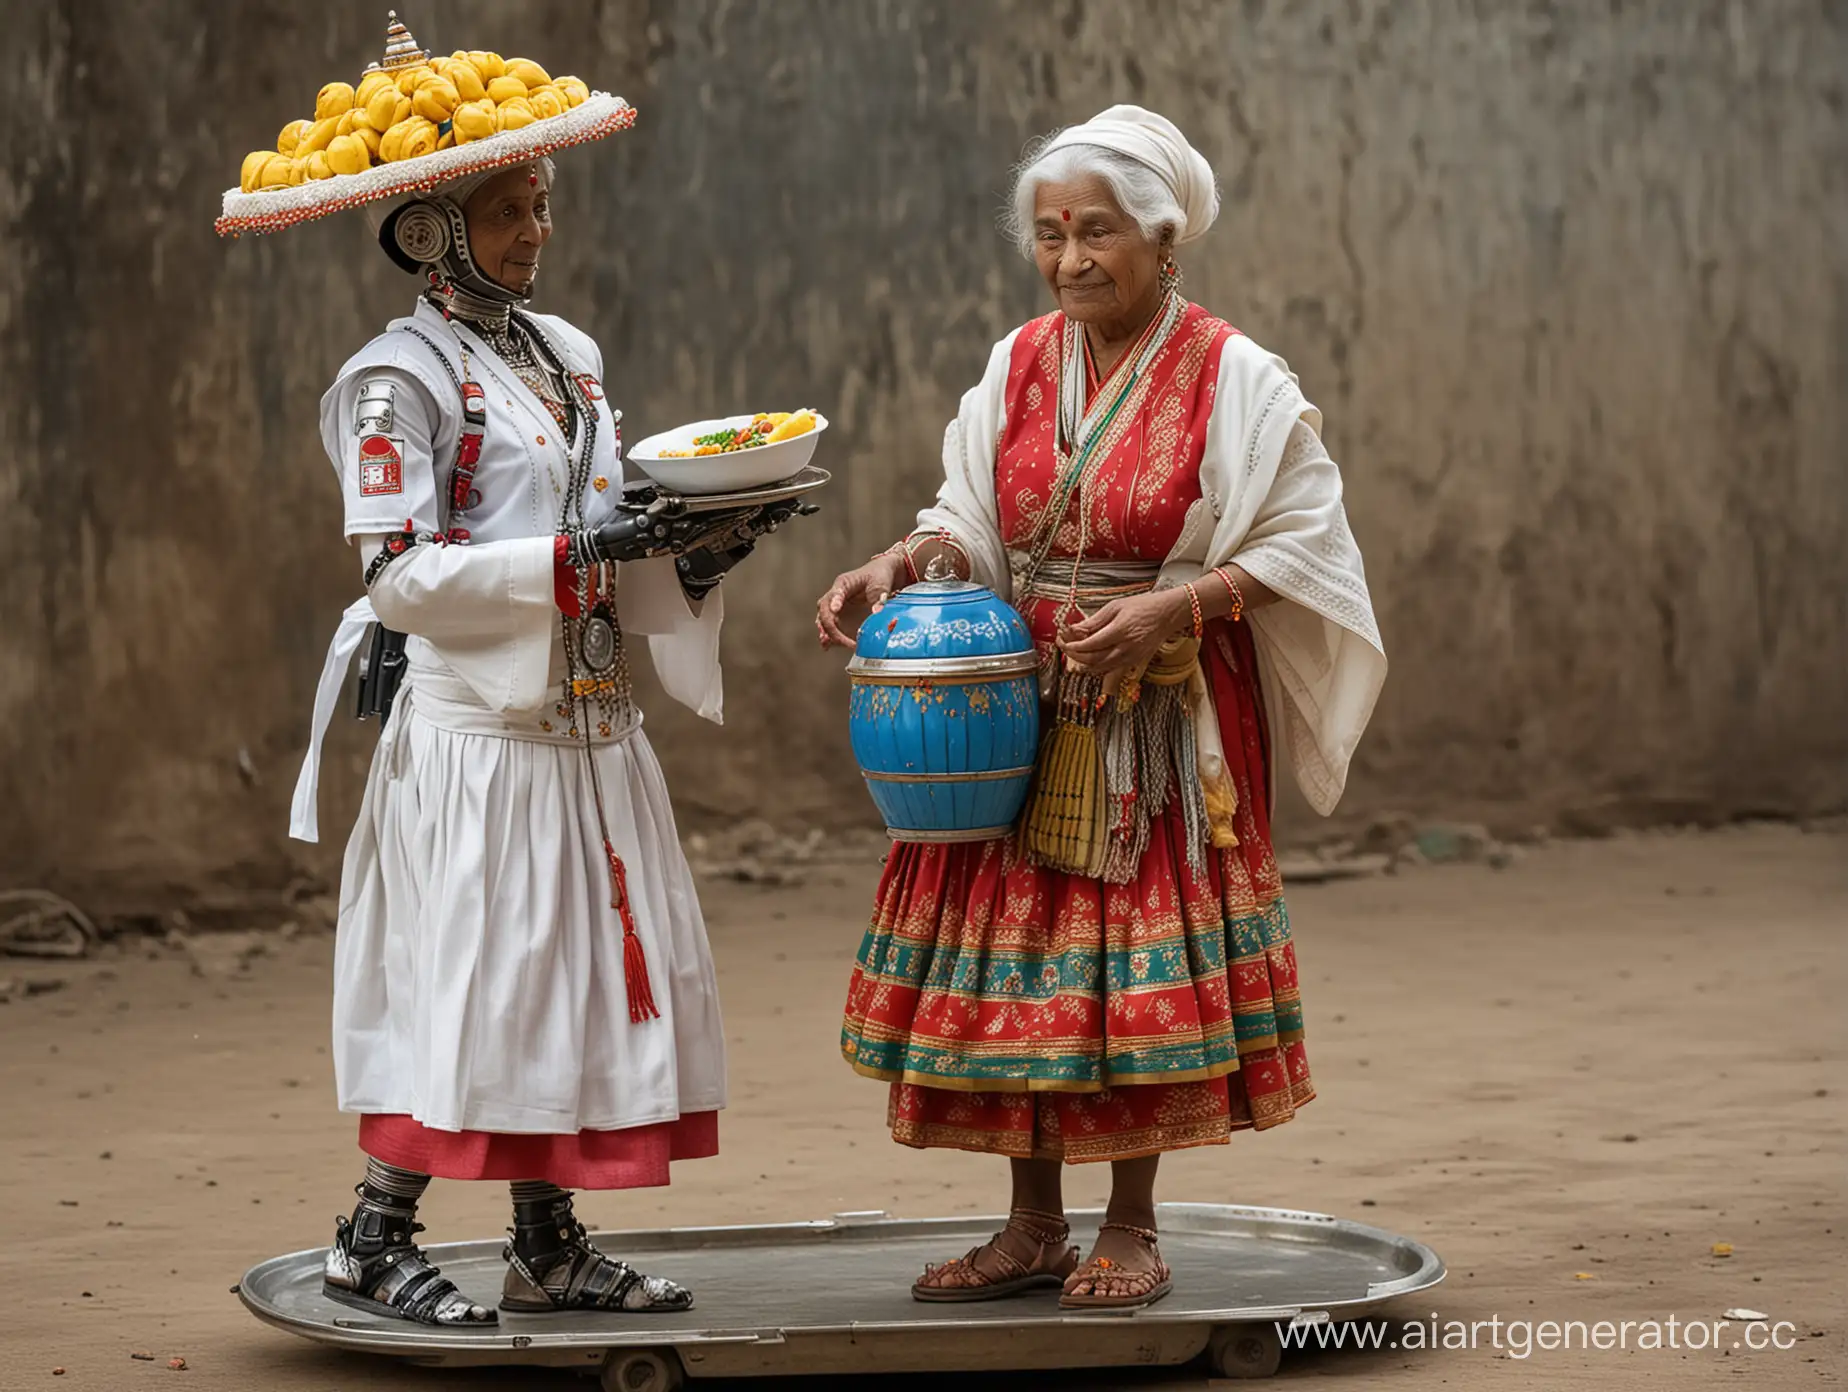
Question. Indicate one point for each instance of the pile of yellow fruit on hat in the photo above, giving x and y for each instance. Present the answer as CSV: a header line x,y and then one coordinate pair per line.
x,y
400,113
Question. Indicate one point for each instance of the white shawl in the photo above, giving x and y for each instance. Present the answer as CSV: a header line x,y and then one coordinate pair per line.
x,y
1271,501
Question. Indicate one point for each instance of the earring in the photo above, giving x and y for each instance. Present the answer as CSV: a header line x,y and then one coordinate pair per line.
x,y
1170,275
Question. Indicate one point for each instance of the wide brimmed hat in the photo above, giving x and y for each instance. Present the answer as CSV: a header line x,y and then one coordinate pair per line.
x,y
413,124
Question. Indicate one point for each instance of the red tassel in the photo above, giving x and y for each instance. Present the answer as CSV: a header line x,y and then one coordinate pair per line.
x,y
634,965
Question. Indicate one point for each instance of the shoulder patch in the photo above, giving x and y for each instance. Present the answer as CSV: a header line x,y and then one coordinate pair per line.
x,y
377,408
381,465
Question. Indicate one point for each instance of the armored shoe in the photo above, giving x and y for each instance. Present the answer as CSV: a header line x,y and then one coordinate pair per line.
x,y
376,1265
552,1266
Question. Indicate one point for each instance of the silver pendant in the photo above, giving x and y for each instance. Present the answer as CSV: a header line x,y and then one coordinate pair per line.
x,y
598,643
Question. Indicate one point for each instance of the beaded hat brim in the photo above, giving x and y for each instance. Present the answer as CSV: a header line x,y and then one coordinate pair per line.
x,y
271,210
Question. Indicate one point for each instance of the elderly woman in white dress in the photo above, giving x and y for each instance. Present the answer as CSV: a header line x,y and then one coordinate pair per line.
x,y
1150,489
523,986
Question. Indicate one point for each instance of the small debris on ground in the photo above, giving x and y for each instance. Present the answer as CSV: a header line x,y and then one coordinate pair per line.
x,y
1722,1249
1741,1313
177,1364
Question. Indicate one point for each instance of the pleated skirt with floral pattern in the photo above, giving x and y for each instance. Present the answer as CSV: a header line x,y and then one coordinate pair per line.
x,y
1026,1012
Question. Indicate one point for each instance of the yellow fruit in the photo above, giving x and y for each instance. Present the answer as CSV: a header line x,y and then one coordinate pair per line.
x,y
474,121
575,90
410,77
436,100
371,139
798,424
489,65
298,170
446,139
410,138
315,139
505,89
469,83
290,136
344,126
335,99
277,172
528,72
318,167
253,166
348,155
369,86
548,101
511,115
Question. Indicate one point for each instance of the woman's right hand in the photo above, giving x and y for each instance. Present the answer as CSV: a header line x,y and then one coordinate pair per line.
x,y
853,596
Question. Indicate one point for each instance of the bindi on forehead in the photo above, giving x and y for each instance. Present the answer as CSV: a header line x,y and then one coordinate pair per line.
x,y
1065,214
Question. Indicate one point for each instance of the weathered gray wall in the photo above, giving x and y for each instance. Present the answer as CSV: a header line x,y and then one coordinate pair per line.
x,y
1567,279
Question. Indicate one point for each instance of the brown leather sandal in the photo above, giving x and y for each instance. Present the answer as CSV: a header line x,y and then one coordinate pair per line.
x,y
1015,1276
1099,1268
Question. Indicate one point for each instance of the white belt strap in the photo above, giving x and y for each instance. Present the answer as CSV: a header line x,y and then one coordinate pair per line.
x,y
304,824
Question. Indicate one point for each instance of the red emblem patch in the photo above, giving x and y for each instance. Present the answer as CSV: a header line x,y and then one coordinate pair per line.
x,y
592,387
381,466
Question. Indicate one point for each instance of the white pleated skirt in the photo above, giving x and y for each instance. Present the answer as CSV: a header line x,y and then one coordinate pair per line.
x,y
478,971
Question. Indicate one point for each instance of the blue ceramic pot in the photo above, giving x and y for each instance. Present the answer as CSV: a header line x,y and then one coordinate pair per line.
x,y
945,712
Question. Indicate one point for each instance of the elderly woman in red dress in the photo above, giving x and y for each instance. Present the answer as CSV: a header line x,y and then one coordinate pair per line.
x,y
1148,487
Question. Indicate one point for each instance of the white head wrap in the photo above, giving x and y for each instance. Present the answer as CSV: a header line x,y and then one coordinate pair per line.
x,y
1156,143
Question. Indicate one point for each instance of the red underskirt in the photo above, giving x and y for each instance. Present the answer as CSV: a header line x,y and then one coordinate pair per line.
x,y
635,1158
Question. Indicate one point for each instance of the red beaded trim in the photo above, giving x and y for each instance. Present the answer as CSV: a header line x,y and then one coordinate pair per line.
x,y
1199,619
418,181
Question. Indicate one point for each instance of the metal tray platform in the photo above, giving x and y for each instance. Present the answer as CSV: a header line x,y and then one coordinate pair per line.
x,y
833,1296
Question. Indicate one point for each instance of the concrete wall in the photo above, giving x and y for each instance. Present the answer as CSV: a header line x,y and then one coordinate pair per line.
x,y
1567,279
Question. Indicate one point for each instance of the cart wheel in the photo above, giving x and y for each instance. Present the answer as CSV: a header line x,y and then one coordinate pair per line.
x,y
642,1370
1246,1350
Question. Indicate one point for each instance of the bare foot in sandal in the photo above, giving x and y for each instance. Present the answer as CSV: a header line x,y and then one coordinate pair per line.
x,y
1030,1252
1125,1271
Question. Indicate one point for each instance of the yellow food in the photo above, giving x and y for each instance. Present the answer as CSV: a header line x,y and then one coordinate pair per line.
x,y
528,72
387,107
348,155
765,428
335,99
344,125
489,65
371,139
409,79
277,172
254,163
511,115
436,100
408,139
503,89
318,167
474,121
468,80
291,136
369,86
575,90
798,424
315,138
547,102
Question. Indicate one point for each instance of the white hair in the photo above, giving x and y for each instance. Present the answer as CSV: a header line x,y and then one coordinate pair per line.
x,y
1139,190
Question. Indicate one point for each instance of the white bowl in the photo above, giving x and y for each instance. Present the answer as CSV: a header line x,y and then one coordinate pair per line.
x,y
723,473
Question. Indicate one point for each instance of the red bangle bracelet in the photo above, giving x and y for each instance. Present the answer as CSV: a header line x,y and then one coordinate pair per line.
x,y
1199,619
1238,599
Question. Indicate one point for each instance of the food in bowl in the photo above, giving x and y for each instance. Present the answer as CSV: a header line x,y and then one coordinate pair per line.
x,y
766,428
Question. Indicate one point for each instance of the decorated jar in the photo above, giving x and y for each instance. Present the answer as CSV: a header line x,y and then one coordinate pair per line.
x,y
945,712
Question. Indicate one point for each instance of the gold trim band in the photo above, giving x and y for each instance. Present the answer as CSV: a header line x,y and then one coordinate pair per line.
x,y
991,776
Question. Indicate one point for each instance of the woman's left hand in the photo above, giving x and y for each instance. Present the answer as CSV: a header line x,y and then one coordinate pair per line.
x,y
1123,635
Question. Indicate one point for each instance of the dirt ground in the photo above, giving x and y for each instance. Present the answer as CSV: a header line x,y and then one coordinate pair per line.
x,y
1598,1062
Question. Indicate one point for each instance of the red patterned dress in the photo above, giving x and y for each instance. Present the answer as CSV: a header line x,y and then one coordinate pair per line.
x,y
1028,1012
